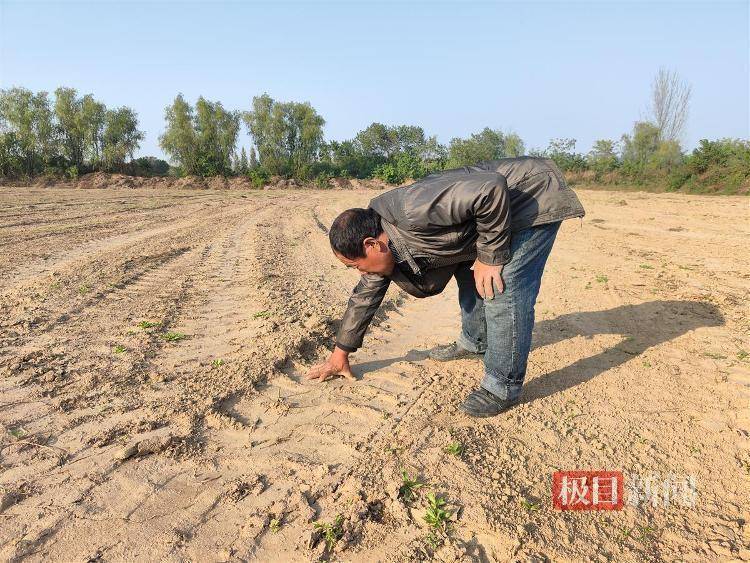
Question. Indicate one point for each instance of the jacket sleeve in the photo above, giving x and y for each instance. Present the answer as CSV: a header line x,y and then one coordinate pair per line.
x,y
367,296
466,195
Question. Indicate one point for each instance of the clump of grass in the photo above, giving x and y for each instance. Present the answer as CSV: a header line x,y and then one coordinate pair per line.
x,y
409,487
218,363
742,354
173,336
530,506
602,278
119,349
646,364
274,525
332,531
84,289
436,515
646,266
147,324
261,314
455,448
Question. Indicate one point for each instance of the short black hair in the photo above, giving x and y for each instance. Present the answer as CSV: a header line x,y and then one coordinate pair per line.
x,y
351,228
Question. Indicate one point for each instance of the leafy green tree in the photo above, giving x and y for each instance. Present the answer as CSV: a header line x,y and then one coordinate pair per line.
x,y
562,152
179,139
70,125
253,158
640,146
242,167
603,156
514,145
288,135
120,138
488,144
93,115
29,118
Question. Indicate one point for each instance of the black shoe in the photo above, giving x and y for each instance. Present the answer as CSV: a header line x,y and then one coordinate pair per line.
x,y
452,351
481,403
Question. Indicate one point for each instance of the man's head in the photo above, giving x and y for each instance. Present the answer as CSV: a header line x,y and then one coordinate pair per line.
x,y
358,241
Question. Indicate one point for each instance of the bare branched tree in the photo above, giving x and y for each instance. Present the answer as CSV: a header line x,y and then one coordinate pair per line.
x,y
670,100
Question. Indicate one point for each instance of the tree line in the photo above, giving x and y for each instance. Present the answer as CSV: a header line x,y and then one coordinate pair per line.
x,y
72,134
65,135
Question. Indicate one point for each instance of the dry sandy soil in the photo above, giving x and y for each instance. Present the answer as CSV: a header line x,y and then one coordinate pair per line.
x,y
152,347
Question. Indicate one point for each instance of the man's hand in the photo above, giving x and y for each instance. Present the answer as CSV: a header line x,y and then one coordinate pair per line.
x,y
337,364
484,276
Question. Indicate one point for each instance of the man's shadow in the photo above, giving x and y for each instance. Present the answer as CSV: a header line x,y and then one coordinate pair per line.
x,y
642,326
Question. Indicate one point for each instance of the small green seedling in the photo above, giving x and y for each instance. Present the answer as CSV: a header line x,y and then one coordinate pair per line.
x,y
17,432
84,289
119,349
262,314
409,487
274,525
173,336
602,279
386,415
454,448
332,532
433,540
646,364
218,363
436,515
147,324
646,266
742,354
530,506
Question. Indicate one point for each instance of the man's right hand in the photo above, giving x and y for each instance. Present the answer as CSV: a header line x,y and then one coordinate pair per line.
x,y
337,364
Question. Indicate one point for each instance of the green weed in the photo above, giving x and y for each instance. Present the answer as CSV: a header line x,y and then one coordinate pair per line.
x,y
119,349
742,354
646,266
262,315
217,363
454,448
84,289
530,506
433,540
147,324
274,525
409,487
602,279
436,515
173,336
17,432
332,531
646,364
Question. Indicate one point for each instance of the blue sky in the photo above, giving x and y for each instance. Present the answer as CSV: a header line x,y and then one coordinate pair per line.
x,y
542,69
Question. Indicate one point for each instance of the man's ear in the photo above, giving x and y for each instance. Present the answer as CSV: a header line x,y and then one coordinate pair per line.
x,y
370,242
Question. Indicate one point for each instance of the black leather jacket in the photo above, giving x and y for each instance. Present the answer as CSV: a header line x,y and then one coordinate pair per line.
x,y
455,216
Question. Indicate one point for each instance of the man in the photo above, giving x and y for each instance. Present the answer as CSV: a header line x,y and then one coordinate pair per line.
x,y
491,226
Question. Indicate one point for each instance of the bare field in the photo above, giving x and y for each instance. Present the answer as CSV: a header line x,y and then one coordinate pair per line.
x,y
152,347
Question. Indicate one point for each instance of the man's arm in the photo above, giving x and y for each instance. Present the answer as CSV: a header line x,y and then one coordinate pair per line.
x,y
367,296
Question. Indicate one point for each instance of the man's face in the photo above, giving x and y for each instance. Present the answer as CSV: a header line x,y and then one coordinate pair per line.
x,y
378,257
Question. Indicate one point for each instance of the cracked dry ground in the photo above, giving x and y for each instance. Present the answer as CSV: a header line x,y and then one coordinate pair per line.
x,y
152,406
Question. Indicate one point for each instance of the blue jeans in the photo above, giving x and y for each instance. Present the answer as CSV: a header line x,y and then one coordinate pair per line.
x,y
501,327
